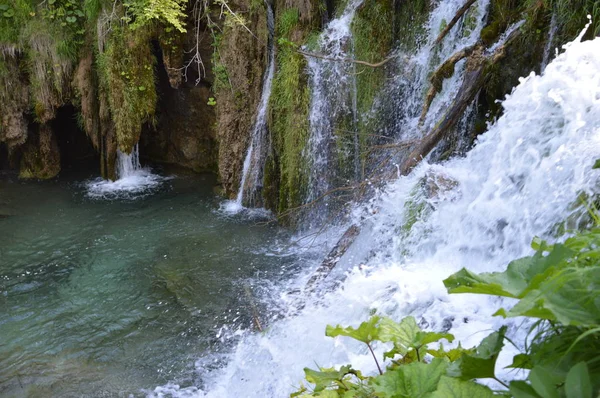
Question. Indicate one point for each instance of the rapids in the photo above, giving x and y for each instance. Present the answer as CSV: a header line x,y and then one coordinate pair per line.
x,y
519,181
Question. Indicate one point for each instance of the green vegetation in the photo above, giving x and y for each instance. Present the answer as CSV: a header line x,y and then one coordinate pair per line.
x,y
127,68
372,32
556,289
289,107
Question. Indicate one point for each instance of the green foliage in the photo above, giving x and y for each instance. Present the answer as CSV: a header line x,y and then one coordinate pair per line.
x,y
127,76
415,370
289,107
144,12
556,287
557,283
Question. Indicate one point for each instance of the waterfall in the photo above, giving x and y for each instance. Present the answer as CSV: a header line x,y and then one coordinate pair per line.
x,y
479,211
133,180
333,96
254,162
128,164
409,85
548,49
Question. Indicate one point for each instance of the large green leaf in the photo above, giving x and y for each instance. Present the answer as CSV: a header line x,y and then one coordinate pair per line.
x,y
450,387
545,382
482,363
366,332
520,276
407,336
578,384
414,380
521,389
326,378
569,297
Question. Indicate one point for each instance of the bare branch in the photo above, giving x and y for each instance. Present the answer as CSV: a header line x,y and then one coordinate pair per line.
x,y
354,61
454,20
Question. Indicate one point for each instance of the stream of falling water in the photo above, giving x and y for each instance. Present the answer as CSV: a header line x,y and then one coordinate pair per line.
x,y
481,211
250,190
133,181
409,86
333,96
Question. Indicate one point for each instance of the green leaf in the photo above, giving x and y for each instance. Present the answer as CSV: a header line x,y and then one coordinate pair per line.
x,y
326,378
3,7
51,2
521,361
544,382
407,335
482,363
450,387
578,383
414,380
141,88
71,19
366,332
596,164
520,277
520,389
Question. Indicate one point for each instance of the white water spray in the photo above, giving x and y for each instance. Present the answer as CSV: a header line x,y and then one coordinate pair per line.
x,y
519,181
133,180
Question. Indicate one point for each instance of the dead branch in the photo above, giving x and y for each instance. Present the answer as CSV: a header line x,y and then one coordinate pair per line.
x,y
333,257
350,60
444,71
454,20
476,75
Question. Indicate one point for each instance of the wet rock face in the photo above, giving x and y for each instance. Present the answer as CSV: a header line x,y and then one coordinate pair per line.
x,y
40,157
239,66
185,132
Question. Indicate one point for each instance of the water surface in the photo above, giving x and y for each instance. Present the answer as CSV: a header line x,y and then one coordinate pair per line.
x,y
114,297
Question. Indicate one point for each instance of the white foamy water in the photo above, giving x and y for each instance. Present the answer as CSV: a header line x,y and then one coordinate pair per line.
x,y
519,181
133,181
333,95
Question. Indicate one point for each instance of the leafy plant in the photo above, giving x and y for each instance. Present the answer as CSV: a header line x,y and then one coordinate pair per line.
x,y
414,369
557,288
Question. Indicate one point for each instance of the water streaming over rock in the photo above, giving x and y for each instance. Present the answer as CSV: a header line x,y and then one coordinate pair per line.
x,y
333,98
480,211
411,81
549,49
133,180
250,191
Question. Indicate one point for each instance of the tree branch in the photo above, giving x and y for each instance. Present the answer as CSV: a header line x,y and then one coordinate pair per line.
x,y
350,60
454,20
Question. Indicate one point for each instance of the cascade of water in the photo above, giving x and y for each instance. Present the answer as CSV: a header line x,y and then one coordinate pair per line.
x,y
254,162
333,97
479,211
411,82
548,49
133,180
128,165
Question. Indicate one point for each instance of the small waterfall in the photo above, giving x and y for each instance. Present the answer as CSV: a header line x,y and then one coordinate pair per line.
x,y
482,210
133,180
128,165
333,97
254,162
548,49
411,82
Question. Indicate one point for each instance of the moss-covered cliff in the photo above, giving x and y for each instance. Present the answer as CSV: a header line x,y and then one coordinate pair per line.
x,y
183,78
